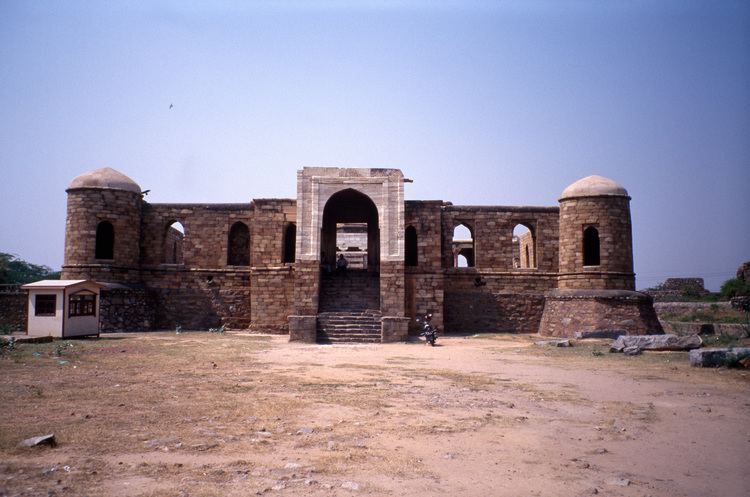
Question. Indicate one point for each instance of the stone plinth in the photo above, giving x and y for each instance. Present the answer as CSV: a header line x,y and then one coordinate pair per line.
x,y
302,328
394,329
569,311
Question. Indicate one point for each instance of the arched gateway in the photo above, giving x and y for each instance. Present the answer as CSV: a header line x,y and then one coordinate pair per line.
x,y
357,213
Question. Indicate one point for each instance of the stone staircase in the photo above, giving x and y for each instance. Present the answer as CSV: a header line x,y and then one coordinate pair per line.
x,y
349,307
349,326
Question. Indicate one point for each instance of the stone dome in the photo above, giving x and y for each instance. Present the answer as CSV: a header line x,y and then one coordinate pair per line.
x,y
105,178
594,186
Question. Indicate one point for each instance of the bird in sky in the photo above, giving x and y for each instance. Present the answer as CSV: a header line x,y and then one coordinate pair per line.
x,y
171,105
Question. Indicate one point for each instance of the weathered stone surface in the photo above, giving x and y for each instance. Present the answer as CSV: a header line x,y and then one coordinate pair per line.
x,y
600,334
394,329
553,343
41,440
656,342
302,328
13,308
567,312
714,357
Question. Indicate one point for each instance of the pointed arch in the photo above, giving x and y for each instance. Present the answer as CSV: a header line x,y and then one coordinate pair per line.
x,y
463,246
174,236
591,255
524,248
105,241
238,245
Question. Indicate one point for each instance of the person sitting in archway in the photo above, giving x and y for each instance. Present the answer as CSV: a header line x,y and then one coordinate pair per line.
x,y
341,263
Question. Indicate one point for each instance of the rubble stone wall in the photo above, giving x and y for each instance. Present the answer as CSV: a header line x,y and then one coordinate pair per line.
x,y
631,312
125,309
14,304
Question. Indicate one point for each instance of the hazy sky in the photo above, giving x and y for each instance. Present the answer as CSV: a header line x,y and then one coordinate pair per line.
x,y
502,103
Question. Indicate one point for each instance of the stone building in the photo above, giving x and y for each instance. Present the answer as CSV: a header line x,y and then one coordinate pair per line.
x,y
270,265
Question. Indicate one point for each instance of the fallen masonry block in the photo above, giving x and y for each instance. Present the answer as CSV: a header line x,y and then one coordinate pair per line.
x,y
42,440
656,342
553,343
715,357
600,334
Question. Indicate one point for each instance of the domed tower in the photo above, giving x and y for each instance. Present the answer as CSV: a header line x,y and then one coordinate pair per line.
x,y
102,229
596,240
596,283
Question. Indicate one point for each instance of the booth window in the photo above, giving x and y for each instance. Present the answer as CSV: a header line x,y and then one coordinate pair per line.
x,y
82,304
45,305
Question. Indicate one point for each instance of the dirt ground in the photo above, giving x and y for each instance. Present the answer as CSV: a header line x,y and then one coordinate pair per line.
x,y
208,414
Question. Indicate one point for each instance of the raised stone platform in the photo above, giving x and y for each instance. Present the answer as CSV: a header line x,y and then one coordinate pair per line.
x,y
567,312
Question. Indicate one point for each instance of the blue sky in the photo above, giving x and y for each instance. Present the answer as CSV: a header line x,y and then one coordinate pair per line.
x,y
501,103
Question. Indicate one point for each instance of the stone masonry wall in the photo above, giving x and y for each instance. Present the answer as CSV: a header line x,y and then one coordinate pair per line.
x,y
89,206
611,217
477,301
206,239
392,288
306,287
423,288
125,309
199,299
564,316
267,234
272,299
492,228
14,304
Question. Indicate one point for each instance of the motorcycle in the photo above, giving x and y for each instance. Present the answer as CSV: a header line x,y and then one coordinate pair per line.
x,y
429,332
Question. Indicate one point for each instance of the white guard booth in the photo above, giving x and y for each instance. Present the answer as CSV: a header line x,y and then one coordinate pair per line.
x,y
63,308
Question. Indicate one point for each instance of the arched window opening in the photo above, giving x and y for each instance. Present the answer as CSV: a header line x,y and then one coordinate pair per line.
x,y
411,247
238,247
290,243
174,238
463,246
591,247
105,241
524,247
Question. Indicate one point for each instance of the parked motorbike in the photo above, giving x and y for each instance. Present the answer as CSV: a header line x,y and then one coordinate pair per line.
x,y
429,332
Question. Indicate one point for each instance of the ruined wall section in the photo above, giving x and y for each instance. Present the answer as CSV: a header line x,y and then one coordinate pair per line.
x,y
272,280
203,291
206,232
494,295
423,283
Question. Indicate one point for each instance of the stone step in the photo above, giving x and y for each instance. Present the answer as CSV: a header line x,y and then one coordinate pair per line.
x,y
349,340
362,326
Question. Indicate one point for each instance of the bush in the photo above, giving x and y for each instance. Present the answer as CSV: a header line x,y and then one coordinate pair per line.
x,y
735,288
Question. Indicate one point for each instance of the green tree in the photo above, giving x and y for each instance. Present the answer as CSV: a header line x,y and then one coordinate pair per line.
x,y
14,270
735,287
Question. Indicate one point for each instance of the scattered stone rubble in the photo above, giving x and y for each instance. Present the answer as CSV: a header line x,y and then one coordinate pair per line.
x,y
655,342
